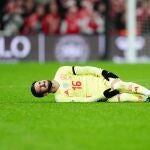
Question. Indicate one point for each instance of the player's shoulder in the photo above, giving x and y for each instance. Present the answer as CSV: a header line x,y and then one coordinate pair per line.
x,y
64,67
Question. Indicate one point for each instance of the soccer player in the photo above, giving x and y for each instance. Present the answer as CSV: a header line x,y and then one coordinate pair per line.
x,y
89,84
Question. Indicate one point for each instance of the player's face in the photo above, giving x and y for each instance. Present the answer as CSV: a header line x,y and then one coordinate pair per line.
x,y
42,86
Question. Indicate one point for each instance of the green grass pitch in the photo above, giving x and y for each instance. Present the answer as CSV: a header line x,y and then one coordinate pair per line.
x,y
27,123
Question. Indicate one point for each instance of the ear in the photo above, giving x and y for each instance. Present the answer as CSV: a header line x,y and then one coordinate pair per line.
x,y
45,94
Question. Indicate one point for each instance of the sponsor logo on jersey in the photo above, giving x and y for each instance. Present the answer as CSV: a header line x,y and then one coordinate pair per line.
x,y
65,85
66,92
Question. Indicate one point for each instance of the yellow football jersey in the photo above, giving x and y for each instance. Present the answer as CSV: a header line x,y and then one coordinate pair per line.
x,y
80,84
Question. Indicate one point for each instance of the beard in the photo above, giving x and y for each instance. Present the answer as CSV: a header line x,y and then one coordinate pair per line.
x,y
49,86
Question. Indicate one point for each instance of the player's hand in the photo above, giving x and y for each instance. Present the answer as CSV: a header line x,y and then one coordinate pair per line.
x,y
108,75
108,93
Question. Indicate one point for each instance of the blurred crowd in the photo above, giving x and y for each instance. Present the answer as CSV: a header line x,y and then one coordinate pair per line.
x,y
118,16
52,17
68,16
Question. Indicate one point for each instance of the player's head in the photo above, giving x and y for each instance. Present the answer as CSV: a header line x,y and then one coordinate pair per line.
x,y
41,88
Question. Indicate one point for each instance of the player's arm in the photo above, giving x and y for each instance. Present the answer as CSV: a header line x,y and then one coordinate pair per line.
x,y
88,70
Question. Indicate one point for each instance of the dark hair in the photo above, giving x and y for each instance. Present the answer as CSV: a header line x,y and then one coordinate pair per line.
x,y
34,93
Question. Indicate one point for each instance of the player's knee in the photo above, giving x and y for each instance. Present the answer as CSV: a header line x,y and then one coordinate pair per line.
x,y
116,84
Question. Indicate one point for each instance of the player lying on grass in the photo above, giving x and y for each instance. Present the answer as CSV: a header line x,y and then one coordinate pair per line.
x,y
89,84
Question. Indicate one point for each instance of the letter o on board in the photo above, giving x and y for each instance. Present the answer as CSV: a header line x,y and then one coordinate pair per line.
x,y
26,46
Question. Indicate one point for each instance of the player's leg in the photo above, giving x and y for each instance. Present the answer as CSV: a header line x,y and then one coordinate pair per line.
x,y
129,87
126,97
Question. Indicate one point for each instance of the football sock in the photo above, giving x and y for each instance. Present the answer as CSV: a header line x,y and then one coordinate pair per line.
x,y
131,87
126,97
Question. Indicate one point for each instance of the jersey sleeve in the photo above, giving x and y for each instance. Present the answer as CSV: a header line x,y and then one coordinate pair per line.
x,y
81,70
87,70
